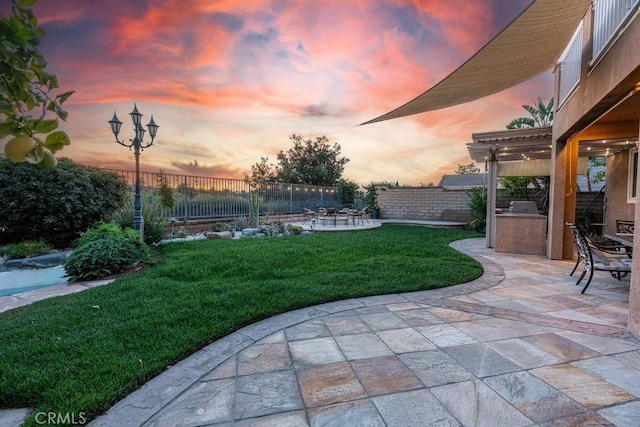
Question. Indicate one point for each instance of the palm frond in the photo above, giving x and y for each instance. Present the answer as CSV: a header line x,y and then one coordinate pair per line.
x,y
521,123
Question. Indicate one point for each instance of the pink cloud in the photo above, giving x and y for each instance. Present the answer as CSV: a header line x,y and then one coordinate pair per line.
x,y
253,72
219,171
463,23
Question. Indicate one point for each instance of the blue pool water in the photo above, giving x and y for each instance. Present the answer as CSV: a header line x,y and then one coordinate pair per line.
x,y
24,280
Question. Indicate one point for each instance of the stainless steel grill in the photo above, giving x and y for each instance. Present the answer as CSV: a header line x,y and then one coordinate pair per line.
x,y
523,207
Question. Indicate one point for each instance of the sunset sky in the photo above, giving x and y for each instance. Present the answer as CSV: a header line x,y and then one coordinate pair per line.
x,y
228,81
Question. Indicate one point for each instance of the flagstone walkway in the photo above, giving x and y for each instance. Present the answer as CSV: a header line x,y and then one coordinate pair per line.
x,y
519,346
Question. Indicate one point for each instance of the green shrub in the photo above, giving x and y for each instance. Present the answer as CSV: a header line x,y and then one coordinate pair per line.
x,y
154,221
100,258
111,229
271,226
104,251
27,249
478,205
241,223
219,226
294,229
55,205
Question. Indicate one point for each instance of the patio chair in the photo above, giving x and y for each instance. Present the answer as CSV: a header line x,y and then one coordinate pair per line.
x,y
360,215
597,257
308,214
624,226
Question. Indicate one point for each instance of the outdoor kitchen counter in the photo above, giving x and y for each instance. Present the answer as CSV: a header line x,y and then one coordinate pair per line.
x,y
521,234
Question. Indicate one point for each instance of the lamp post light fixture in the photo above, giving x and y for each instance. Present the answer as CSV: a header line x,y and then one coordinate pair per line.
x,y
137,145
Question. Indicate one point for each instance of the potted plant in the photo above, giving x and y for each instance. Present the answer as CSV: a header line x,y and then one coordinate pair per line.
x,y
371,199
375,211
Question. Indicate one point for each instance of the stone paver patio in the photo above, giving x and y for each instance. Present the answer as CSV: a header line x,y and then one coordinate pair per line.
x,y
519,346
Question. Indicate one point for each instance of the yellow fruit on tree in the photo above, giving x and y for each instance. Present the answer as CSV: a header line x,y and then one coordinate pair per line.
x,y
49,161
17,148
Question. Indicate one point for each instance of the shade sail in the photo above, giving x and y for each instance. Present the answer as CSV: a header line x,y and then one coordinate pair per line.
x,y
529,46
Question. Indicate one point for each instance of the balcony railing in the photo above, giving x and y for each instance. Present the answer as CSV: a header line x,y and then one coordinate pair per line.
x,y
609,17
569,66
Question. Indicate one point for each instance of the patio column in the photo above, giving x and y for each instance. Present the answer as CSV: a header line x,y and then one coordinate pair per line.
x,y
492,188
564,165
633,323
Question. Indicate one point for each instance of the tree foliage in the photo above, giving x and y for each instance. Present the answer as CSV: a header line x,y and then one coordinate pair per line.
x,y
594,177
471,168
167,199
517,186
263,171
26,88
541,115
55,205
309,161
348,191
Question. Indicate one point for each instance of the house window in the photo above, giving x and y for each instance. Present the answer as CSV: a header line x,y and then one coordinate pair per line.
x,y
633,175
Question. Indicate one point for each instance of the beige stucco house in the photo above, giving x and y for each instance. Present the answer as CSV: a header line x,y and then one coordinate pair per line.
x,y
597,85
593,46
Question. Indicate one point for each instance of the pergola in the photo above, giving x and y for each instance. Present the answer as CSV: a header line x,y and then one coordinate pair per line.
x,y
526,152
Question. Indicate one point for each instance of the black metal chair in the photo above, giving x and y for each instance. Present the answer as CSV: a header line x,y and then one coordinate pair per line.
x,y
624,226
360,215
308,214
597,257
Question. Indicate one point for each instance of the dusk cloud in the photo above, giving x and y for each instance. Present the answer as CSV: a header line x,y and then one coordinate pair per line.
x,y
229,81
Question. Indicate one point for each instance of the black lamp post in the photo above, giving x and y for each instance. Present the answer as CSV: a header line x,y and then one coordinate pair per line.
x,y
137,145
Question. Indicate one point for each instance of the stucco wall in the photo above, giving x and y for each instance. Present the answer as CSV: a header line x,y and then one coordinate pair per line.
x,y
601,85
616,190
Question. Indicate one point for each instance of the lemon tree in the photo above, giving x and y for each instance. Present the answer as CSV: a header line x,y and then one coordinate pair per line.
x,y
29,110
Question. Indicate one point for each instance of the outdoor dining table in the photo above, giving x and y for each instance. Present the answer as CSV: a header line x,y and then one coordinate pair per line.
x,y
624,239
333,215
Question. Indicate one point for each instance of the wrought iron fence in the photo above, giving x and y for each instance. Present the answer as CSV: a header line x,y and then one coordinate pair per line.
x,y
198,197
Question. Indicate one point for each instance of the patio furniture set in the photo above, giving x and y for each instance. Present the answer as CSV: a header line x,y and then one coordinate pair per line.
x,y
336,216
611,253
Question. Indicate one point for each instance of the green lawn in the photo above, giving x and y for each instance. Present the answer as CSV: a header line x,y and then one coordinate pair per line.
x,y
83,352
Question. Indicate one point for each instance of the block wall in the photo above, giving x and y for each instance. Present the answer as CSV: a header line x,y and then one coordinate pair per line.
x,y
438,204
424,203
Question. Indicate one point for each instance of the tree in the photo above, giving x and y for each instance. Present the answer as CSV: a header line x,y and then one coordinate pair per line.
x,y
471,168
261,172
310,162
348,191
25,89
518,186
541,115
